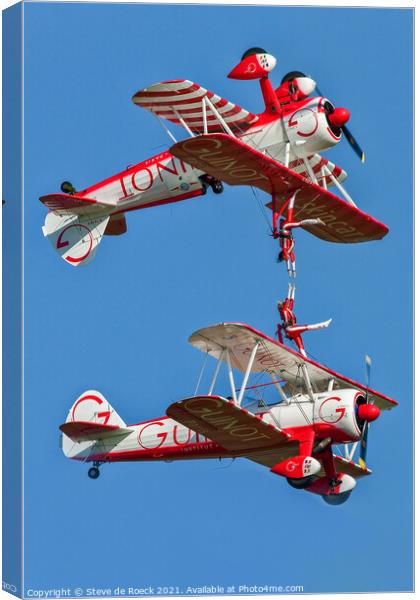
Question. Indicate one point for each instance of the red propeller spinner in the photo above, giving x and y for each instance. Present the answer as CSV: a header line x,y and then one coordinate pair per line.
x,y
339,117
368,412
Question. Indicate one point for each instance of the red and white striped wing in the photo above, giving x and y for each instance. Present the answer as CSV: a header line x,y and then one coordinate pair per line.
x,y
317,161
182,99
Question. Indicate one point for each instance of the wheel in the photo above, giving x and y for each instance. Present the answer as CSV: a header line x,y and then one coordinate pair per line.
x,y
94,472
67,187
217,187
301,483
336,499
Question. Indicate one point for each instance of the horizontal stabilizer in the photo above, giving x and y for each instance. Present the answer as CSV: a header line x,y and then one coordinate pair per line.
x,y
75,237
234,162
62,202
224,422
83,431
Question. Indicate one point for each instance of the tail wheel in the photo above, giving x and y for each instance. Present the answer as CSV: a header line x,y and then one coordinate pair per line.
x,y
301,483
336,499
94,472
67,188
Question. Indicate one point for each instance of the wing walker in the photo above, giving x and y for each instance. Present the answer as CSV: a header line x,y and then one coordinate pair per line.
x,y
315,432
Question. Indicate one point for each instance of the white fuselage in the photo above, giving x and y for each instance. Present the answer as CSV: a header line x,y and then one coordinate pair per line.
x,y
332,414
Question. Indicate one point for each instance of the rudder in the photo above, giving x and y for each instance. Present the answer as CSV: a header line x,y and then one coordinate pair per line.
x,y
75,237
90,408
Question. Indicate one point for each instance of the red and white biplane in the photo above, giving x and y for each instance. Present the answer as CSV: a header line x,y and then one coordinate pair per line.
x,y
309,435
276,151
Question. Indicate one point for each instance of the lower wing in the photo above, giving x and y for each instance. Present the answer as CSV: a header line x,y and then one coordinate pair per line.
x,y
222,421
230,160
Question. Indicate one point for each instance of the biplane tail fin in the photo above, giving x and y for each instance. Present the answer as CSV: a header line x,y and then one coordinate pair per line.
x,y
90,420
75,237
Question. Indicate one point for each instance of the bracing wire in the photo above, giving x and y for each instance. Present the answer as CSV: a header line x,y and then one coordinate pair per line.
x,y
262,209
203,366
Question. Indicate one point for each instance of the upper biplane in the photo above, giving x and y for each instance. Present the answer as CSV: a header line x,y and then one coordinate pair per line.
x,y
309,435
276,151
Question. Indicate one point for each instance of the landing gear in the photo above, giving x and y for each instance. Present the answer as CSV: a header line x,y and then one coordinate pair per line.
x,y
67,188
215,184
94,471
302,482
336,499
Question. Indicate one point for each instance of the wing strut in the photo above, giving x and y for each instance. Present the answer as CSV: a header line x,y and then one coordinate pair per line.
x,y
225,357
247,372
307,381
231,379
340,187
218,116
166,129
205,124
183,123
216,371
279,389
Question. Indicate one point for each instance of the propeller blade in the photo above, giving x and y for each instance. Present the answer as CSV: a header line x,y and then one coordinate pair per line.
x,y
365,429
353,143
363,445
349,137
368,364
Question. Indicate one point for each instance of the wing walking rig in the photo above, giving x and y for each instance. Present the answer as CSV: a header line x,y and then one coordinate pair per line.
x,y
311,435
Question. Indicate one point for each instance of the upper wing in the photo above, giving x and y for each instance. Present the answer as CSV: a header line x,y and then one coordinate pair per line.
x,y
183,99
233,161
273,357
222,421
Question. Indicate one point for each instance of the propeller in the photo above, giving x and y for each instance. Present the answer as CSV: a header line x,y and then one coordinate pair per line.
x,y
343,127
367,413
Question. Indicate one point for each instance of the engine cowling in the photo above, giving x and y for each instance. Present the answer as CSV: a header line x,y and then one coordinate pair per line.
x,y
310,128
336,415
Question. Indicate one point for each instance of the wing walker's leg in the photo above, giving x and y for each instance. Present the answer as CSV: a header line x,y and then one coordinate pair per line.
x,y
291,264
283,231
299,343
288,324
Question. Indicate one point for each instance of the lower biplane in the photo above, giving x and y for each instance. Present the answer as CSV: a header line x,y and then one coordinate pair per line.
x,y
276,151
309,436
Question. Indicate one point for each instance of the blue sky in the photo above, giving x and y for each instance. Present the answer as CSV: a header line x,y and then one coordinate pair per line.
x,y
121,324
